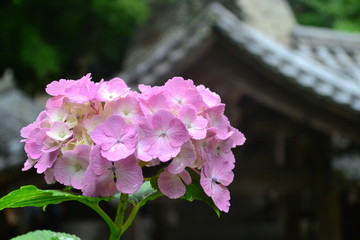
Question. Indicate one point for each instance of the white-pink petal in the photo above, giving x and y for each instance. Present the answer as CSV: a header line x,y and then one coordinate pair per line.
x,y
59,131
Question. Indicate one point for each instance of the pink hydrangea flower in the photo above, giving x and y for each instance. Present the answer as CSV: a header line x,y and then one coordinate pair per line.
x,y
196,124
210,98
111,90
83,91
183,92
215,176
97,137
46,161
116,138
70,168
154,103
219,124
185,158
172,185
164,135
128,108
59,131
127,172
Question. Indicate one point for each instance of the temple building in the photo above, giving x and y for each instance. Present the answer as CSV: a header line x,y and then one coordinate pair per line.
x,y
293,90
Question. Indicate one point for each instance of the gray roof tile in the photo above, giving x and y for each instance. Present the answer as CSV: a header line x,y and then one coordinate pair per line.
x,y
328,70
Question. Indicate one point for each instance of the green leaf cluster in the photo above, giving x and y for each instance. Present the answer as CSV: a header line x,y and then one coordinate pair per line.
x,y
45,235
194,191
338,14
42,40
30,196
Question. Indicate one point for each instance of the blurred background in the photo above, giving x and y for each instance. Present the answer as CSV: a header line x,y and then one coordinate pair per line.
x,y
288,71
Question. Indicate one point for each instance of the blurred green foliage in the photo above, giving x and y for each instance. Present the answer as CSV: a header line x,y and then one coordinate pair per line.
x,y
338,14
44,40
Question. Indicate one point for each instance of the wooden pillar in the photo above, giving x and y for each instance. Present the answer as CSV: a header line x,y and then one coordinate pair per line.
x,y
328,209
328,206
291,218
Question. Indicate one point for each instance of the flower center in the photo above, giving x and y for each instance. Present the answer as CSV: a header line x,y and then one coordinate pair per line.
x,y
113,168
215,180
179,101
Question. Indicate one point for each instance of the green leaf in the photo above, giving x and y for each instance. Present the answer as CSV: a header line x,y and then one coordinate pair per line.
x,y
30,196
194,191
144,194
46,235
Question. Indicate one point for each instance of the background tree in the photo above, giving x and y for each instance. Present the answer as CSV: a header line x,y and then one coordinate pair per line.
x,y
44,40
338,14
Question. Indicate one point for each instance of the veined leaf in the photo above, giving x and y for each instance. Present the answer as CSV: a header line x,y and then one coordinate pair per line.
x,y
46,235
194,191
144,194
30,196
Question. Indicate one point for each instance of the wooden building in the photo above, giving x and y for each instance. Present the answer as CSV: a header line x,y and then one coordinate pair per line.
x,y
294,91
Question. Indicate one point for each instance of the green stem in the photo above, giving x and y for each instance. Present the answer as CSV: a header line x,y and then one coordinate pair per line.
x,y
117,227
120,213
103,214
119,219
131,217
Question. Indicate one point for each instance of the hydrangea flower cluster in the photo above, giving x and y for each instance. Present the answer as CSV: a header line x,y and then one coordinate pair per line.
x,y
97,137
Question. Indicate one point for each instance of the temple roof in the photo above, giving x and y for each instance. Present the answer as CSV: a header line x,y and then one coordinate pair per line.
x,y
324,63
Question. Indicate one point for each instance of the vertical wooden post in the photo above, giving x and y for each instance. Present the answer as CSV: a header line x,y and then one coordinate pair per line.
x,y
292,218
328,206
329,214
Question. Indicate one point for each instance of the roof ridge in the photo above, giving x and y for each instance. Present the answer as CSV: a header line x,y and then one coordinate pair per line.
x,y
298,69
325,36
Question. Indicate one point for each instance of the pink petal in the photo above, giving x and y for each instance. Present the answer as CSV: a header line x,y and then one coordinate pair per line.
x,y
114,126
25,131
59,131
29,163
129,109
56,88
171,185
98,164
49,176
46,161
154,103
185,176
117,152
221,197
196,125
177,133
56,114
185,158
111,90
237,137
98,136
129,176
210,98
183,92
55,102
98,185
163,150
70,169
218,122
141,149
33,149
